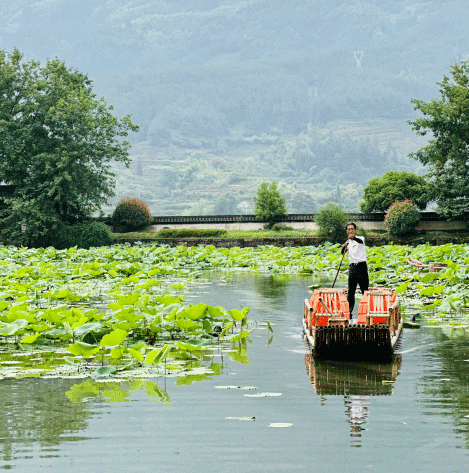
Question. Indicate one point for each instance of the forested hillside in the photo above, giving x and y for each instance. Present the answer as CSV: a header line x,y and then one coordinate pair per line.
x,y
313,94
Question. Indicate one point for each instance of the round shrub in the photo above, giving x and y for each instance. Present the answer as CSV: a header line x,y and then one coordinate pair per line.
x,y
131,215
402,218
280,227
331,221
83,235
94,234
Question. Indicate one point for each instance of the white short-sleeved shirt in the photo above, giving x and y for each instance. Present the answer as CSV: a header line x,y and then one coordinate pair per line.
x,y
357,251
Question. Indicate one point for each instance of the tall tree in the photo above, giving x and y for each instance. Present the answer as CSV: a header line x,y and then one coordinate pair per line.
x,y
269,204
447,152
381,192
57,143
331,221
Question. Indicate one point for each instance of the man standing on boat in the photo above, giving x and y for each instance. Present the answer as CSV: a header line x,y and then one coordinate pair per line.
x,y
358,270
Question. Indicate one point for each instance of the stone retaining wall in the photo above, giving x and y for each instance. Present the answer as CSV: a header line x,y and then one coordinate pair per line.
x,y
280,242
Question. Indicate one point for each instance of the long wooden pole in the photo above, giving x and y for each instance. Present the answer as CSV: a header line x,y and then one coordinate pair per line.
x,y
325,307
333,284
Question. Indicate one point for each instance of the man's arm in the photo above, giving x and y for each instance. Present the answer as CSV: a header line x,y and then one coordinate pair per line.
x,y
345,247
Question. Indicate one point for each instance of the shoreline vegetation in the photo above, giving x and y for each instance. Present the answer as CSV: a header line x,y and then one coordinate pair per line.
x,y
285,237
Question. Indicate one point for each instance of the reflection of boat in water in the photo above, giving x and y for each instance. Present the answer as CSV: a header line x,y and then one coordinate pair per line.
x,y
357,382
330,377
332,334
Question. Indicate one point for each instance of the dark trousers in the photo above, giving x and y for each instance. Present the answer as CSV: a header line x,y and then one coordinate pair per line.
x,y
357,275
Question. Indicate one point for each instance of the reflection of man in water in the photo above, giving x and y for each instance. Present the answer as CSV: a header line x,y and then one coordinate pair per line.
x,y
358,408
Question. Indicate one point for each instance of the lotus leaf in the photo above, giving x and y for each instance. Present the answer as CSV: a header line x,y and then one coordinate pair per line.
x,y
217,312
30,338
155,356
83,349
187,325
239,336
86,328
207,326
40,327
430,291
226,328
193,345
118,352
6,329
193,312
104,372
237,315
135,354
116,337
56,332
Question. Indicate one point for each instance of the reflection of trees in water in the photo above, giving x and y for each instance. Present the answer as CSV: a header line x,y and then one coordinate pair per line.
x,y
450,384
357,382
272,287
36,411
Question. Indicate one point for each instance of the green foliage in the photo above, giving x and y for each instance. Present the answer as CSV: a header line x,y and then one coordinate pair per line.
x,y
82,235
281,227
94,234
191,233
269,204
57,143
41,233
131,214
402,218
26,224
381,192
331,221
447,120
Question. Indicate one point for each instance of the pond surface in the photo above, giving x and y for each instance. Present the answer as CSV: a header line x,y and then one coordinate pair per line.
x,y
406,416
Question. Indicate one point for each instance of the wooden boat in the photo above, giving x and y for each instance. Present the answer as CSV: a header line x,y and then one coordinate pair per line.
x,y
332,334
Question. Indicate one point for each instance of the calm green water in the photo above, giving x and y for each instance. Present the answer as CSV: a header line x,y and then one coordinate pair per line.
x,y
407,416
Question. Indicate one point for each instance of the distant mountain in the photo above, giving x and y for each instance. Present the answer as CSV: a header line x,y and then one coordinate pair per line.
x,y
313,94
121,36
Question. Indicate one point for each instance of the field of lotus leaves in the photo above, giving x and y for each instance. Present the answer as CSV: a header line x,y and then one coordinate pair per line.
x,y
119,312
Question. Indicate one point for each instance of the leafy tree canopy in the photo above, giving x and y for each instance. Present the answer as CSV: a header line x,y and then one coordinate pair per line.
x,y
381,192
331,221
57,142
269,204
447,152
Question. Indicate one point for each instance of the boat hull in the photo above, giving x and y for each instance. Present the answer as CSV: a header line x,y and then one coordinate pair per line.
x,y
332,335
355,341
